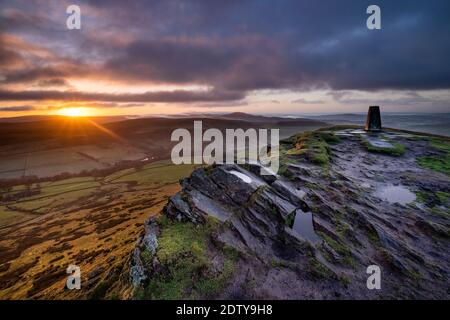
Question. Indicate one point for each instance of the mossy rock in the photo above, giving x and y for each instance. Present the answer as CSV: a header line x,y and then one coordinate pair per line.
x,y
313,146
183,255
397,150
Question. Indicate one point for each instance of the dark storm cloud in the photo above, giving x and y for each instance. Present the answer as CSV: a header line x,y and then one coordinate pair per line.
x,y
17,108
24,76
173,61
53,82
8,58
14,18
163,96
238,46
299,44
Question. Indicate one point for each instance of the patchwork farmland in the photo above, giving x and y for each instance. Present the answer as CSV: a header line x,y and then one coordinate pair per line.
x,y
92,222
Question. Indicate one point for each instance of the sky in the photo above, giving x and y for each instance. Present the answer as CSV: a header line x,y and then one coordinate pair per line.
x,y
257,56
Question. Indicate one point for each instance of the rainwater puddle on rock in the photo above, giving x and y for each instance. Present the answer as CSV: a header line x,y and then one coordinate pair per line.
x,y
358,132
379,143
343,133
303,225
241,176
396,194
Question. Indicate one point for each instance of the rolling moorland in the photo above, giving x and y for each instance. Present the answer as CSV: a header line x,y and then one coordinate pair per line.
x,y
137,233
77,191
56,146
90,222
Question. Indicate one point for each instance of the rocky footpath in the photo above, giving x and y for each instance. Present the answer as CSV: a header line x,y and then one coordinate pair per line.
x,y
343,200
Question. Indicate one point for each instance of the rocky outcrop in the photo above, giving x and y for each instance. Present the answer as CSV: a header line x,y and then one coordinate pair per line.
x,y
312,235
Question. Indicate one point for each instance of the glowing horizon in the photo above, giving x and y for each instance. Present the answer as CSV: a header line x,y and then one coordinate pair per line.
x,y
179,61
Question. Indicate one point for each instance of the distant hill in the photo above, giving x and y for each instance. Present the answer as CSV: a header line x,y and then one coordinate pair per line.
x,y
273,120
102,119
157,130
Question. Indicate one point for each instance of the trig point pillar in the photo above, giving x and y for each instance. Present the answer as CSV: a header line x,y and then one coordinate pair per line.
x,y
373,121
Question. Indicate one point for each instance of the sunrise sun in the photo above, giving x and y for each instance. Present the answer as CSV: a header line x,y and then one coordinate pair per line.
x,y
73,112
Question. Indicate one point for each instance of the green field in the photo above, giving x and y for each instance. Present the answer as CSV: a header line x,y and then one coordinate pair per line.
x,y
50,195
158,172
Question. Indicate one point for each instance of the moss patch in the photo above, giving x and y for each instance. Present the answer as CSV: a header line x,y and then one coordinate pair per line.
x,y
433,198
319,270
313,146
183,253
437,202
439,163
439,144
347,257
210,286
397,150
285,159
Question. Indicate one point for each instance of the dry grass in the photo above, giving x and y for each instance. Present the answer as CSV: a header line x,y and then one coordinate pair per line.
x,y
79,221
